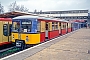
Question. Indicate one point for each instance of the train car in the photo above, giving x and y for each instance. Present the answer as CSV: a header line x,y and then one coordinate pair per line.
x,y
75,26
28,30
5,31
65,27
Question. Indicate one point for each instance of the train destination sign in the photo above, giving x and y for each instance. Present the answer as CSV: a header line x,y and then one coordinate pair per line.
x,y
26,22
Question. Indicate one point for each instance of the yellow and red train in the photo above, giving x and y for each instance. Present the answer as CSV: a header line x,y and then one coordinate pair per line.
x,y
27,30
5,31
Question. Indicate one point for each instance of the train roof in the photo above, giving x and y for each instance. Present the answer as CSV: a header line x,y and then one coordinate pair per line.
x,y
39,17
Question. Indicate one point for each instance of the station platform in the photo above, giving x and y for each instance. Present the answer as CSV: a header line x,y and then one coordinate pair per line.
x,y
72,46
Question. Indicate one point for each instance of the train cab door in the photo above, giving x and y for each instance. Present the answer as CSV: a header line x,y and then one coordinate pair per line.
x,y
46,30
6,32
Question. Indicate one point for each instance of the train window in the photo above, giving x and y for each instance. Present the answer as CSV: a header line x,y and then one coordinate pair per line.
x,y
56,25
49,25
68,25
62,25
38,26
53,27
5,29
26,26
52,23
16,26
46,26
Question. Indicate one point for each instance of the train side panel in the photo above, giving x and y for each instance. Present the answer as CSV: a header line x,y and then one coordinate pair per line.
x,y
14,37
32,38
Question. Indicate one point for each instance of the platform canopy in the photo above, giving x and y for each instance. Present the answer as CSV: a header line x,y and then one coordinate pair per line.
x,y
14,14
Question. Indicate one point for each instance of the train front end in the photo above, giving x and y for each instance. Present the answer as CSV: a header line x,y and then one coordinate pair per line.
x,y
24,32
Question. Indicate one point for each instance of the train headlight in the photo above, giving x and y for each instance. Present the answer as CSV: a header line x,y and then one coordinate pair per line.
x,y
27,39
13,36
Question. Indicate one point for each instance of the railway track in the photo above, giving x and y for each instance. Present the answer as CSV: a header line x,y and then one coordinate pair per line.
x,y
11,50
6,49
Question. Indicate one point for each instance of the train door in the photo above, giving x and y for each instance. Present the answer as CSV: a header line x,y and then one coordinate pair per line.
x,y
71,27
1,31
6,32
46,30
60,28
66,27
10,29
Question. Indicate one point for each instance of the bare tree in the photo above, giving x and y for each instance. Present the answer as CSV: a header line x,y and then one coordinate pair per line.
x,y
35,11
12,6
1,8
15,7
40,11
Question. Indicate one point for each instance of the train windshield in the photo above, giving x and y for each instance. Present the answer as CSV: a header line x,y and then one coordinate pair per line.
x,y
26,26
16,27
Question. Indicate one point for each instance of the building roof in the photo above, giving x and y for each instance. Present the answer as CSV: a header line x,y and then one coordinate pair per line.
x,y
14,14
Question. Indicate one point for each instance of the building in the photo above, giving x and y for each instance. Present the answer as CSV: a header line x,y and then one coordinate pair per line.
x,y
68,15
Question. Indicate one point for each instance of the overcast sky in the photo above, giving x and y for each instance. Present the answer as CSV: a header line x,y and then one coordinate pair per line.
x,y
49,5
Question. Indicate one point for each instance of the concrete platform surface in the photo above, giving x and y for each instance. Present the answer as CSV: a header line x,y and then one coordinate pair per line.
x,y
74,47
